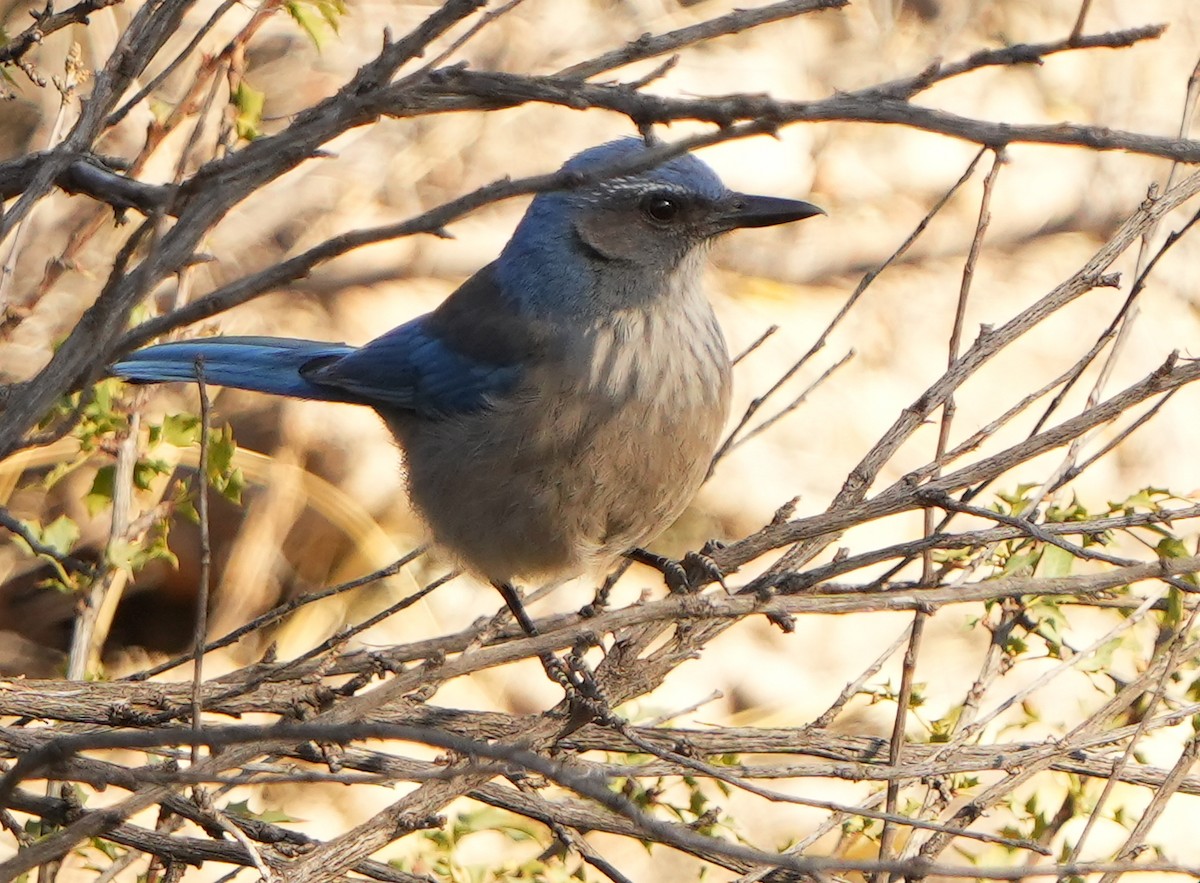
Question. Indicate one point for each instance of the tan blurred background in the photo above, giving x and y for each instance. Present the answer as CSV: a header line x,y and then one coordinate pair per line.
x,y
329,501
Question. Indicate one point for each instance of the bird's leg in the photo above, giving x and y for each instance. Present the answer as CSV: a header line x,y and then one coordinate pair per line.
x,y
684,575
513,599
550,662
600,599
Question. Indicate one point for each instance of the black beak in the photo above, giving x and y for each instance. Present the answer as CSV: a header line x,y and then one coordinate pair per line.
x,y
745,210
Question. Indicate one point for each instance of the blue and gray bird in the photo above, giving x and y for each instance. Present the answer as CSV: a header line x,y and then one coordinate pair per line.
x,y
561,407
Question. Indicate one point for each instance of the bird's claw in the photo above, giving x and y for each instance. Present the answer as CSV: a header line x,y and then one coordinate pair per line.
x,y
704,567
686,575
675,575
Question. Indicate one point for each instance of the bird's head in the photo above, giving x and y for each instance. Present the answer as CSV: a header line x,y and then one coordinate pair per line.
x,y
655,217
637,226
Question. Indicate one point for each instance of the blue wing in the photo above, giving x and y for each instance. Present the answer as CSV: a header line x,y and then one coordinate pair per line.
x,y
411,369
474,346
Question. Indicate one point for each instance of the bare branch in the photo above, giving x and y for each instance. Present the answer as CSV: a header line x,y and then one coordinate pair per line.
x,y
47,22
739,20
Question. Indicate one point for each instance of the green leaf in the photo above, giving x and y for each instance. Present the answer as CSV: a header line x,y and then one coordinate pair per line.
x,y
1018,500
249,104
1173,547
155,548
122,555
959,557
242,809
221,449
1015,646
1148,499
1076,511
185,507
317,18
1055,562
1175,608
110,850
61,470
224,478
1017,565
234,487
96,424
1102,659
332,11
179,430
145,471
160,110
100,496
61,534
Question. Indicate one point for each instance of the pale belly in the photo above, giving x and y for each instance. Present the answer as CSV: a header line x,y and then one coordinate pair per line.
x,y
555,484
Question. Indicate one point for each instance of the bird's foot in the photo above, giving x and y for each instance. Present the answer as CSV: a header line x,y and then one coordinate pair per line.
x,y
702,563
578,684
686,575
600,599
586,702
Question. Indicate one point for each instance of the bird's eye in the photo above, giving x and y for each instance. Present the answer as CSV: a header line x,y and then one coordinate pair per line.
x,y
661,209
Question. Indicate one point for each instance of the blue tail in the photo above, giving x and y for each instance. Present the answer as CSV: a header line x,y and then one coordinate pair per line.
x,y
261,364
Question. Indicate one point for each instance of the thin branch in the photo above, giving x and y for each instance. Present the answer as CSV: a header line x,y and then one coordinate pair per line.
x,y
985,347
457,89
1077,30
1073,472
68,562
204,587
849,304
1179,644
184,54
277,613
47,22
649,46
1014,54
796,402
759,341
921,617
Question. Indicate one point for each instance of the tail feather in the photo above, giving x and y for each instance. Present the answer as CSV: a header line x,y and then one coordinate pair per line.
x,y
260,364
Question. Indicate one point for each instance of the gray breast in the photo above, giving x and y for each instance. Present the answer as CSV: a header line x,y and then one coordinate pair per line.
x,y
597,452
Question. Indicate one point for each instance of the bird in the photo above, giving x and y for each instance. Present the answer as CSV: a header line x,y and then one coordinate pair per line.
x,y
561,408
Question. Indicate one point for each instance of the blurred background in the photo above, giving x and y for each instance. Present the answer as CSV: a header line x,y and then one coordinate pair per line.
x,y
325,499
